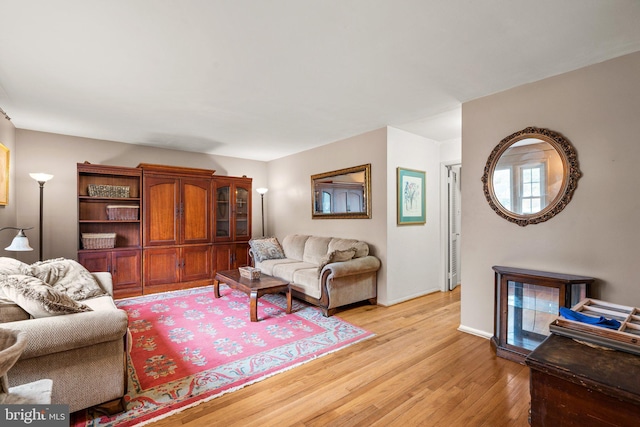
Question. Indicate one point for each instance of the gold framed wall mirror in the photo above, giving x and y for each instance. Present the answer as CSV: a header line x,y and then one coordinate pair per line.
x,y
531,175
342,194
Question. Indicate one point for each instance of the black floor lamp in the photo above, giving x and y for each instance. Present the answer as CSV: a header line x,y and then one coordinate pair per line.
x,y
262,192
41,178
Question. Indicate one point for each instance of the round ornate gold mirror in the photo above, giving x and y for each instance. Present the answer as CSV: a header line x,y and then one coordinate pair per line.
x,y
530,176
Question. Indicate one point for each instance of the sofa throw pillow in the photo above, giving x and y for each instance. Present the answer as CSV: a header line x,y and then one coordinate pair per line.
x,y
336,256
67,276
12,266
38,298
266,248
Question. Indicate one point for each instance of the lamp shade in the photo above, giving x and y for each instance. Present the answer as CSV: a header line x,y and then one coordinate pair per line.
x,y
262,190
41,177
20,243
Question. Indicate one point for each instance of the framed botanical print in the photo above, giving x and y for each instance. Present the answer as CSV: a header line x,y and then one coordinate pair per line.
x,y
4,175
411,197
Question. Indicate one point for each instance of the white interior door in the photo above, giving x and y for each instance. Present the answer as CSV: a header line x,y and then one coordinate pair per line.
x,y
455,216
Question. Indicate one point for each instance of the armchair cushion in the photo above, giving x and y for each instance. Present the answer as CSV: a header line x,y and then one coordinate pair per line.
x,y
11,312
67,276
38,298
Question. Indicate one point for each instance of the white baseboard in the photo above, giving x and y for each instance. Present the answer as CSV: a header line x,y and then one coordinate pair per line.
x,y
410,297
476,332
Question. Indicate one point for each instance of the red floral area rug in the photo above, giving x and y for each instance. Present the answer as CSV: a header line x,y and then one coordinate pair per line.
x,y
189,347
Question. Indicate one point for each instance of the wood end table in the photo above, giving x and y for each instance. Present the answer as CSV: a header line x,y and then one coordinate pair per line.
x,y
254,288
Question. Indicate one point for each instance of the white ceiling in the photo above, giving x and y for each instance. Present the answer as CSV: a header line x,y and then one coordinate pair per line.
x,y
263,79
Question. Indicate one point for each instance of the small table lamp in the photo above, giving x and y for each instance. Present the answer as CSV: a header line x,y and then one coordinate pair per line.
x,y
20,243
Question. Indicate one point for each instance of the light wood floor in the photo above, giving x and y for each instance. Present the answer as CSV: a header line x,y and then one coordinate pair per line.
x,y
417,370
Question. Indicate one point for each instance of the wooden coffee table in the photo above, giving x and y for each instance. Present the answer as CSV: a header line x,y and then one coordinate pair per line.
x,y
254,288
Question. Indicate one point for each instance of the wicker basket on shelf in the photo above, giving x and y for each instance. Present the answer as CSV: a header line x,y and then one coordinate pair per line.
x,y
98,240
122,212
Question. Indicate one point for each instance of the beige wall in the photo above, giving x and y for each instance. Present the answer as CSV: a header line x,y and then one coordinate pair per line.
x,y
410,255
597,234
58,155
8,212
413,251
289,198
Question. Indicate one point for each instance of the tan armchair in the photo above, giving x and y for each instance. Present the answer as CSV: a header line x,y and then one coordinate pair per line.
x,y
84,354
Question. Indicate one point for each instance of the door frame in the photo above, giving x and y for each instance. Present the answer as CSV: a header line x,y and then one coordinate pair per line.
x,y
444,222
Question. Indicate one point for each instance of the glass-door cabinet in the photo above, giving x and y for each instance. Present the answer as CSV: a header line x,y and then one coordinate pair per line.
x,y
222,211
527,302
241,226
232,209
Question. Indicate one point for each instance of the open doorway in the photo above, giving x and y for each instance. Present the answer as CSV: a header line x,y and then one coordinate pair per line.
x,y
454,233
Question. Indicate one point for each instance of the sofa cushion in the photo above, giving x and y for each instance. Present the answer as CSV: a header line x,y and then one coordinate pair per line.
x,y
315,249
287,270
12,266
266,248
362,249
337,256
305,280
267,265
67,276
38,298
293,246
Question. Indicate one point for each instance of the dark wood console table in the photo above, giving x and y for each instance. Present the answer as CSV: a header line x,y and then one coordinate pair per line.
x,y
574,384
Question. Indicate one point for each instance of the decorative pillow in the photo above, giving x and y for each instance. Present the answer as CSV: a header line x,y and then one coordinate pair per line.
x,y
67,276
266,248
337,256
12,266
37,298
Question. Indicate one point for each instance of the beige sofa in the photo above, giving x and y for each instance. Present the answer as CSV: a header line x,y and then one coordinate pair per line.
x,y
83,353
325,271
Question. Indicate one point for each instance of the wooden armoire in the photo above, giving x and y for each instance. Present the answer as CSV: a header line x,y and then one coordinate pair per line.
x,y
192,224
